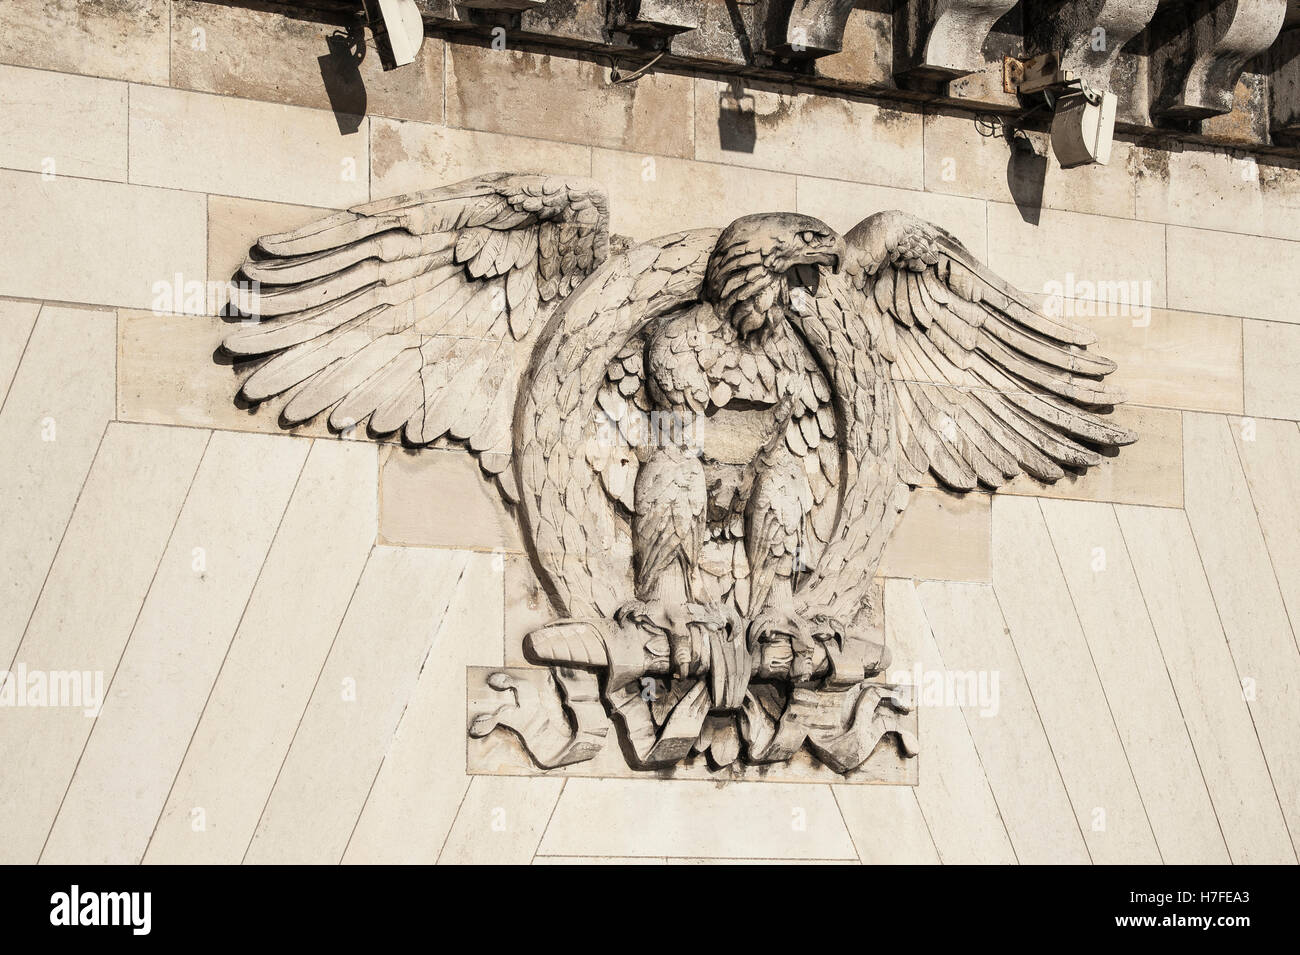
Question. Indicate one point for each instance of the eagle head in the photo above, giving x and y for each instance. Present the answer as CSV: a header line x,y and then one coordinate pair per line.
x,y
759,259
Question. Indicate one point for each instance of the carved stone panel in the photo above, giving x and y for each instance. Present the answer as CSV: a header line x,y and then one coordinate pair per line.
x,y
706,441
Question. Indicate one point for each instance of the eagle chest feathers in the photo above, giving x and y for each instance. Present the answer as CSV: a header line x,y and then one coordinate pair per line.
x,y
741,422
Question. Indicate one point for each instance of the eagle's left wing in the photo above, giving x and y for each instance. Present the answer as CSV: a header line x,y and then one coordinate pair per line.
x,y
416,314
985,385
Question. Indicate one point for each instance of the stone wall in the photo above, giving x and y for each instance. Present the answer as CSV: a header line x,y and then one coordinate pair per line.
x,y
228,576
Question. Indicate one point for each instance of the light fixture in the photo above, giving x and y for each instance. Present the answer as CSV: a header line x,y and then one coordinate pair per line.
x,y
1083,118
403,26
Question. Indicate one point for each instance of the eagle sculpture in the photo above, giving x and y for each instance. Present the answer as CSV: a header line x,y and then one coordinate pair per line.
x,y
707,438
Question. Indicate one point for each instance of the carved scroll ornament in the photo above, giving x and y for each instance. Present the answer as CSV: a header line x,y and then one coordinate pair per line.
x,y
749,407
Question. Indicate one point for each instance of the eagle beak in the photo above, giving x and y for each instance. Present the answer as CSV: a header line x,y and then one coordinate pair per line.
x,y
838,254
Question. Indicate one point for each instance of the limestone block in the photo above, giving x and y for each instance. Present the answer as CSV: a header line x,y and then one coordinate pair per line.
x,y
1244,580
767,127
1116,625
1198,54
1172,359
85,616
552,97
410,157
357,706
171,371
421,787
1148,472
101,243
207,143
1079,256
275,657
1215,189
436,498
17,318
1272,355
651,196
1260,283
1204,675
202,585
867,57
886,825
56,405
696,820
972,637
941,536
234,225
1070,698
57,124
501,821
954,795
1270,459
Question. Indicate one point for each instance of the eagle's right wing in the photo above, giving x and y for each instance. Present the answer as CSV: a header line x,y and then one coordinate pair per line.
x,y
418,313
986,386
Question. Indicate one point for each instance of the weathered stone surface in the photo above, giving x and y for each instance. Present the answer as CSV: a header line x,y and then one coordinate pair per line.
x,y
56,398
416,797
1284,85
207,143
1217,189
942,39
85,617
1243,577
867,57
228,521
46,130
255,54
528,94
972,636
409,157
1092,34
662,326
1053,650
765,127
696,819
274,659
357,706
1201,667
1198,56
120,39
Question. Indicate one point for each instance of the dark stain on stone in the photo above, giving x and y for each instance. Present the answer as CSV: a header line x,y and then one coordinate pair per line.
x,y
1152,162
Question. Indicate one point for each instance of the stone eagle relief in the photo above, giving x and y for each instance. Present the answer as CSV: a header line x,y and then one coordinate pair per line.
x,y
706,439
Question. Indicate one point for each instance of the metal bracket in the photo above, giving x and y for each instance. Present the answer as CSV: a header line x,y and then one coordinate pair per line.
x,y
1037,74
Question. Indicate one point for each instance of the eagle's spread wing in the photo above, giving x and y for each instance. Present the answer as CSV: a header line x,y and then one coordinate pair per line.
x,y
985,385
417,313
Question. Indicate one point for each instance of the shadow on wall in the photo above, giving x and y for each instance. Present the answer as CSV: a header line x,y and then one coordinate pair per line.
x,y
737,129
340,71
1026,167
